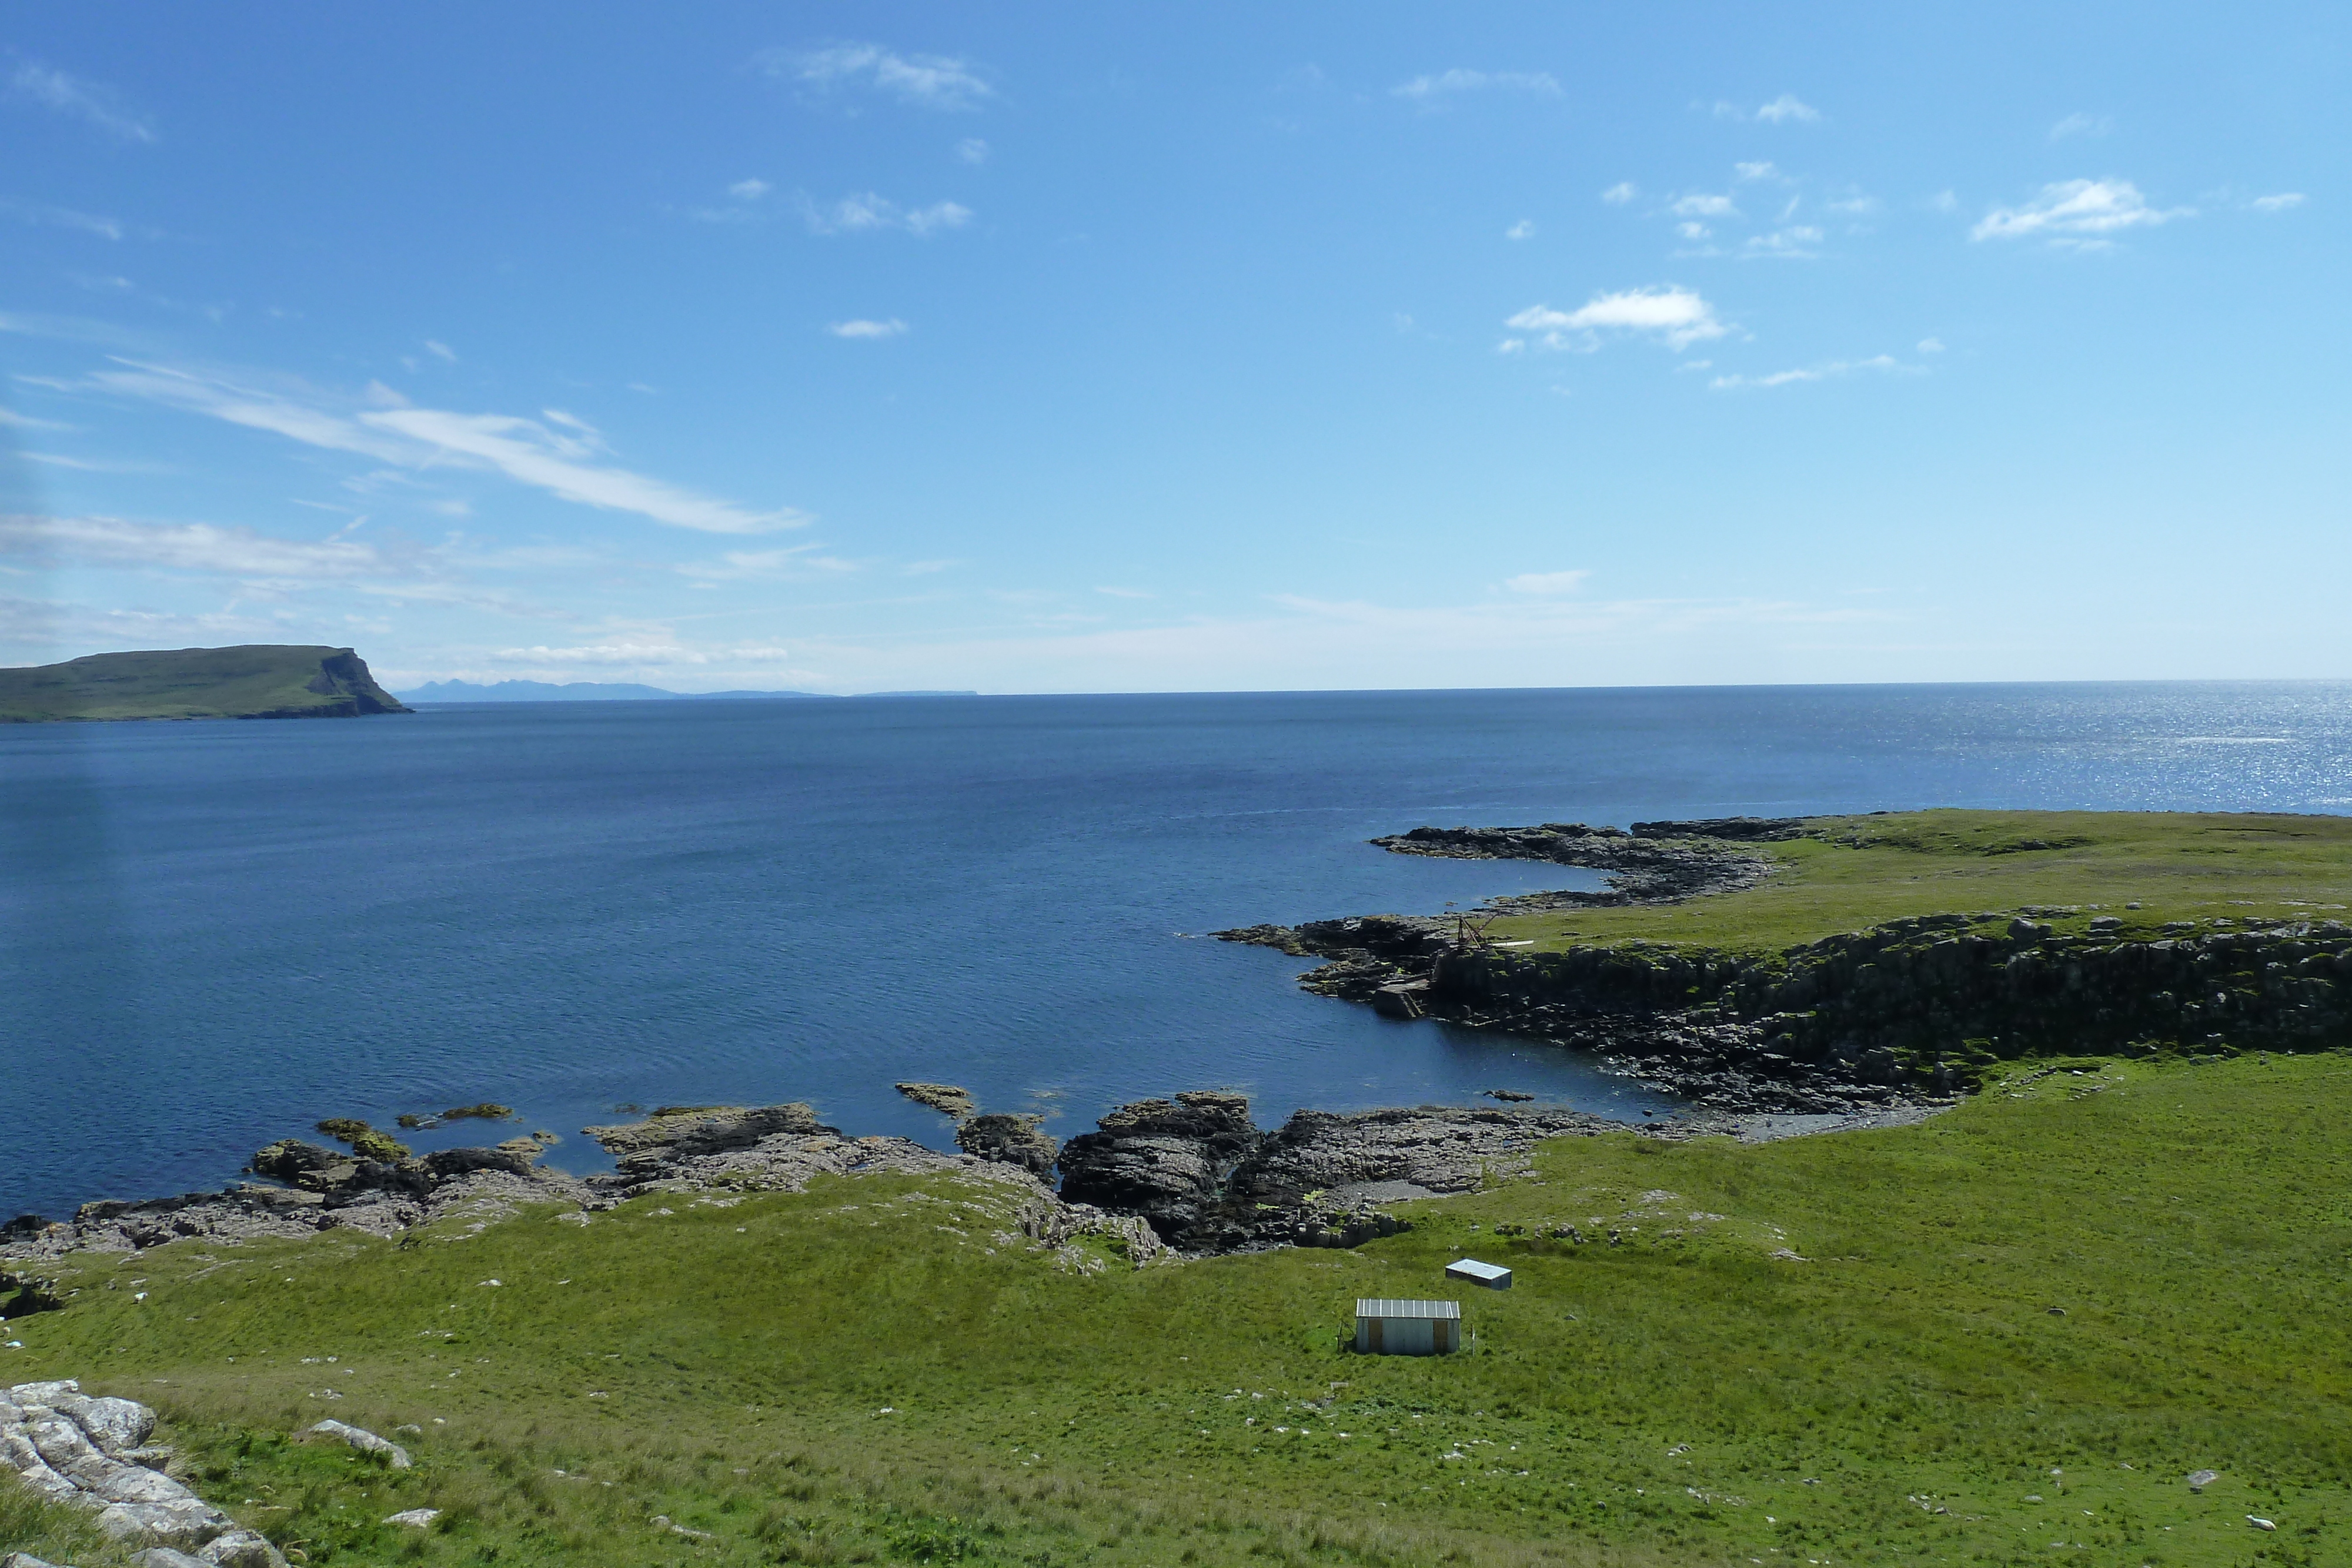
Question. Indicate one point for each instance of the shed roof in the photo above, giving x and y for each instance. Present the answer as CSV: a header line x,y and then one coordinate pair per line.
x,y
1475,1269
1377,1307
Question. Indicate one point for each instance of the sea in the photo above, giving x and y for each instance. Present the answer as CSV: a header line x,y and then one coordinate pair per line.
x,y
217,934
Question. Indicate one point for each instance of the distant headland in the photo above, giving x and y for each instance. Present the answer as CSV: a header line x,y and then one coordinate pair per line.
x,y
255,681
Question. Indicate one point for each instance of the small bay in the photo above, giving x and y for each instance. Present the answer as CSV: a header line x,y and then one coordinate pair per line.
x,y
217,933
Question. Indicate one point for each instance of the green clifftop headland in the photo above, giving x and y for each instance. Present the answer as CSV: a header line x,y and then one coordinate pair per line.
x,y
255,681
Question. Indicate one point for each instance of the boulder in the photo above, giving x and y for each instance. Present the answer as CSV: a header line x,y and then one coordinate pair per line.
x,y
365,1441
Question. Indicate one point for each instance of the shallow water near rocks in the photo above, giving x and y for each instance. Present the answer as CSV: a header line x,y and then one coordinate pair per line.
x,y
218,933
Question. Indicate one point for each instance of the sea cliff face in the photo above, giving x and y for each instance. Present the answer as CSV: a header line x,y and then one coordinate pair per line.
x,y
255,681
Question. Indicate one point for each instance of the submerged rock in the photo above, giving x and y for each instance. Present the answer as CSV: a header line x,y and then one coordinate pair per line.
x,y
945,1098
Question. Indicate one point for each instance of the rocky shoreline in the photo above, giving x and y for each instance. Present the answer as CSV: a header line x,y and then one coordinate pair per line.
x,y
1909,1011
1158,1179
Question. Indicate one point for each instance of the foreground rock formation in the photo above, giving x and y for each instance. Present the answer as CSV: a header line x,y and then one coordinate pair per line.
x,y
93,1454
684,1149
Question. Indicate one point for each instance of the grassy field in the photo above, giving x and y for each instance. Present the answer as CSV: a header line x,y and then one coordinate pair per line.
x,y
1840,1350
2173,865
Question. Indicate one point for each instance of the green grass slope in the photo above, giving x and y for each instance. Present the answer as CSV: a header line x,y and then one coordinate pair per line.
x,y
1839,1349
1862,870
257,681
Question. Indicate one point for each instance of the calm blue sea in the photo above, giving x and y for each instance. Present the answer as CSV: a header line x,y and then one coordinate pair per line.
x,y
217,933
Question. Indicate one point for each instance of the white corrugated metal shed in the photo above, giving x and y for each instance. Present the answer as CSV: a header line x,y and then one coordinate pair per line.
x,y
1407,1328
1494,1276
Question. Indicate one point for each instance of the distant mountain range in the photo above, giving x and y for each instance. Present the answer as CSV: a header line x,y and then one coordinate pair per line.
x,y
605,691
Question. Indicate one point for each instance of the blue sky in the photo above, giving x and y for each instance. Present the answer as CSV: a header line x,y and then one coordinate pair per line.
x,y
1099,347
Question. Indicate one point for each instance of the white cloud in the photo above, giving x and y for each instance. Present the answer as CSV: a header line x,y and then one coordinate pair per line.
x,y
15,421
529,452
1813,374
2277,204
1852,206
410,438
1126,593
1679,316
862,329
185,547
1795,243
1931,345
1430,89
1693,231
1943,202
926,81
441,351
1524,229
1756,171
64,218
867,212
1702,205
971,149
1545,583
99,106
789,561
749,190
1787,108
1618,194
2080,124
2070,210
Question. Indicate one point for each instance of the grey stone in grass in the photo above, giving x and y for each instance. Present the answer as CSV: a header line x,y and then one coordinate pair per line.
x,y
365,1441
2199,1480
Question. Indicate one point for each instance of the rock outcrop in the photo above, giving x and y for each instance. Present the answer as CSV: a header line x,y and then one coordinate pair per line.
x,y
681,1132
1436,1148
744,1148
1016,1140
93,1454
330,1189
1658,863
1163,1159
